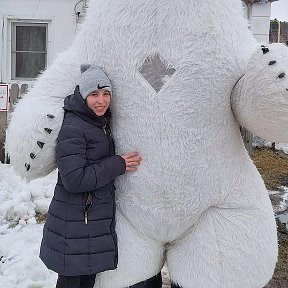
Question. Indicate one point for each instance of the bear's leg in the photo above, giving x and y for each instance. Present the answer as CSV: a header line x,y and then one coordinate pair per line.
x,y
139,258
227,248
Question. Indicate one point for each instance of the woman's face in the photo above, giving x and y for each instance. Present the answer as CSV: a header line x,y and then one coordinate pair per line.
x,y
98,101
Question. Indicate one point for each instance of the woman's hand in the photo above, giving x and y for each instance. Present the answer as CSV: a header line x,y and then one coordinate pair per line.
x,y
132,161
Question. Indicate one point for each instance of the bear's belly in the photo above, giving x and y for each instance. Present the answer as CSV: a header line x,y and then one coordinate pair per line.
x,y
178,168
184,133
183,173
172,191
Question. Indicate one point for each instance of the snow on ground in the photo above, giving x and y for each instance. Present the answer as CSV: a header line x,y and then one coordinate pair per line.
x,y
20,266
279,199
259,142
20,235
20,199
282,146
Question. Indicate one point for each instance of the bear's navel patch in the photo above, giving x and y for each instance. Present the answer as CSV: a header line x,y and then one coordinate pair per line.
x,y
156,71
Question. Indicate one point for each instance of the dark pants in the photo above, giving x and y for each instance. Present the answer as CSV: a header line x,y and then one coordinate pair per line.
x,y
83,281
153,282
87,281
174,285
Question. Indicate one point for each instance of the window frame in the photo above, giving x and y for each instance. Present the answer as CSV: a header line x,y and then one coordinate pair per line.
x,y
247,12
13,51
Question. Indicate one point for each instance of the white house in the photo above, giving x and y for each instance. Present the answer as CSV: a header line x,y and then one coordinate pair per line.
x,y
32,33
258,13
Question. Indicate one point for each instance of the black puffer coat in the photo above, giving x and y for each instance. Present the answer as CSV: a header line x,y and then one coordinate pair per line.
x,y
79,234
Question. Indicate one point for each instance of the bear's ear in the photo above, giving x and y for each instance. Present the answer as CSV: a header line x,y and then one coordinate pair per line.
x,y
84,67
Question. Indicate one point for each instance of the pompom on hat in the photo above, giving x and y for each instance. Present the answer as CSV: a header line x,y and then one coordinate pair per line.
x,y
92,79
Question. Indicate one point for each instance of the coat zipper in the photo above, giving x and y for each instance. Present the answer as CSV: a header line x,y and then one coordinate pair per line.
x,y
109,137
104,127
107,130
88,206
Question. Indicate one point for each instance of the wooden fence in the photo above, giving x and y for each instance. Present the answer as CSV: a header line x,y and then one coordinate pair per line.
x,y
15,92
247,139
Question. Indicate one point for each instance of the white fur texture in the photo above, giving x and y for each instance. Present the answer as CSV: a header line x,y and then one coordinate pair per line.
x,y
260,99
27,123
197,195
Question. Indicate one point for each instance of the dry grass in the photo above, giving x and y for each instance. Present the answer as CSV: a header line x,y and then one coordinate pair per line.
x,y
40,218
273,167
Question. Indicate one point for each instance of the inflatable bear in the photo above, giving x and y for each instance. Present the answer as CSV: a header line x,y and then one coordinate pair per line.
x,y
185,75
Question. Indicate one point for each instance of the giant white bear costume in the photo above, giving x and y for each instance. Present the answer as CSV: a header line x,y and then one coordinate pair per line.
x,y
197,200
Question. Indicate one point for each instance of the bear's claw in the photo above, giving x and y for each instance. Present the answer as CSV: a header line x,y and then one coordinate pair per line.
x,y
265,49
40,144
282,75
272,62
48,130
32,156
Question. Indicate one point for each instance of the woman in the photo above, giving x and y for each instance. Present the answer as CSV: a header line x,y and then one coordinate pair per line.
x,y
79,238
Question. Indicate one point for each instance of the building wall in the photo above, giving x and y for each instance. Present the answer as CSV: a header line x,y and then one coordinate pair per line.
x,y
260,21
62,26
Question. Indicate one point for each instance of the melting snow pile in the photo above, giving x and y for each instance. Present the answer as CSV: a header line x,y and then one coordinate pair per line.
x,y
20,235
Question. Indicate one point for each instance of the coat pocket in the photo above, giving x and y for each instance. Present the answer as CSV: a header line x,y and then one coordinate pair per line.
x,y
105,191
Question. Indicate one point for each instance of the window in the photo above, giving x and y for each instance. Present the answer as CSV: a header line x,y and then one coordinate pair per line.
x,y
245,10
29,49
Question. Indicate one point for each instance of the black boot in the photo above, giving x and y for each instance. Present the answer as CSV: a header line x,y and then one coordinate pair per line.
x,y
154,282
173,285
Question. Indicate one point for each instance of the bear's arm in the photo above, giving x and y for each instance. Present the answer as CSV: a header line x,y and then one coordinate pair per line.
x,y
37,119
260,98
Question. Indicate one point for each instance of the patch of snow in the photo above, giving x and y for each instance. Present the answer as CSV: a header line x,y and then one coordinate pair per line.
x,y
20,199
279,199
20,235
282,147
20,265
260,143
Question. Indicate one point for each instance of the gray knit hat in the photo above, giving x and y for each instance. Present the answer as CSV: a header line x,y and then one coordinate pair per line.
x,y
92,79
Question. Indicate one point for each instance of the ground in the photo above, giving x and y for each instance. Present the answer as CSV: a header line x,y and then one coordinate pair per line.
x,y
272,165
